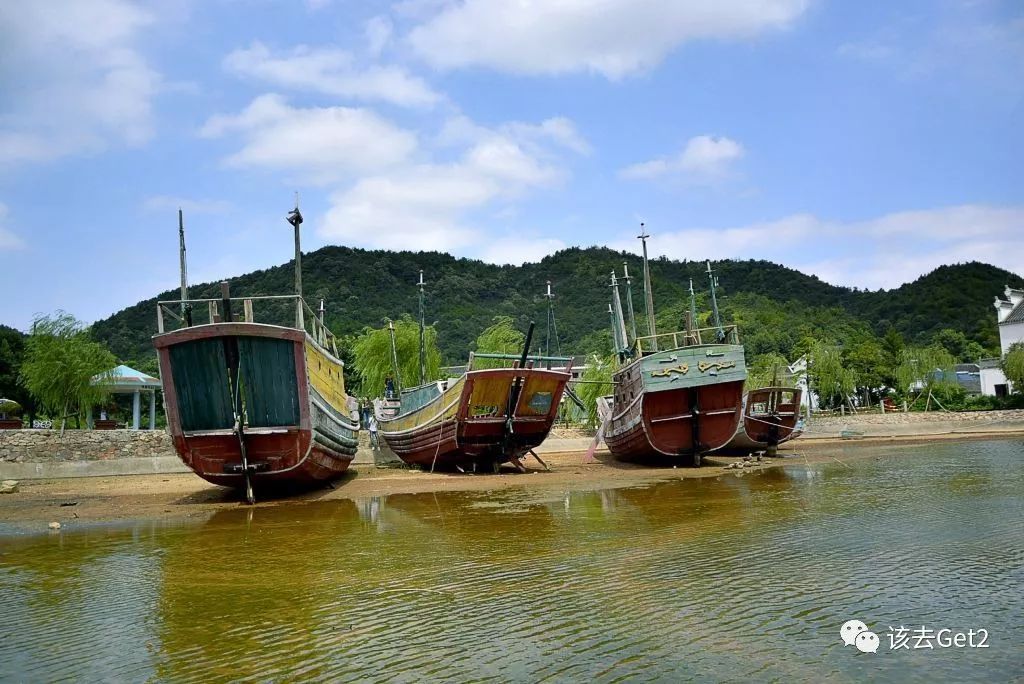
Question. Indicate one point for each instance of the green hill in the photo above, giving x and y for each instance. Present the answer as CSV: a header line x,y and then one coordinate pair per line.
x,y
776,306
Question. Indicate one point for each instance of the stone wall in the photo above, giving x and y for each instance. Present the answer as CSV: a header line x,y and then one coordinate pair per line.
x,y
20,446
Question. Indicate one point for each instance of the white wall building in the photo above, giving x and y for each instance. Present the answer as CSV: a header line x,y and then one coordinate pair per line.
x,y
1010,315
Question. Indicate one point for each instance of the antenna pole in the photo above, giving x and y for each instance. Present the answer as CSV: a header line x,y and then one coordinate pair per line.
x,y
295,218
648,294
714,303
629,299
423,348
186,308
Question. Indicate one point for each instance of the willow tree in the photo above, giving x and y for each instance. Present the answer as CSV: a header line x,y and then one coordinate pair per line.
x,y
597,383
767,370
833,382
1013,366
61,361
373,360
502,337
926,370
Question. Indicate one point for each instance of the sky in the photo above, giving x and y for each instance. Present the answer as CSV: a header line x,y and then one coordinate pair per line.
x,y
866,143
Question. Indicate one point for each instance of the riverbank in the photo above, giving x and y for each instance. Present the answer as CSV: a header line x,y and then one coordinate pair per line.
x,y
76,501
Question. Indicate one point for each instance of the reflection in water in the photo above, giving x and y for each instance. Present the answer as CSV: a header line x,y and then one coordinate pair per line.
x,y
722,578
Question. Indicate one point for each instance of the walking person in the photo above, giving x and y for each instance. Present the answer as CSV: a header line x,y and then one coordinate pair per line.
x,y
374,444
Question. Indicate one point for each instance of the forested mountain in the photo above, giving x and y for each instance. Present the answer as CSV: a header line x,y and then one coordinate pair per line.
x,y
776,306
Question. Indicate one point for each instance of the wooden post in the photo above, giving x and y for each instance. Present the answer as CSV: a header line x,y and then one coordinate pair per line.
x,y
648,290
136,410
225,300
160,318
152,409
213,311
295,218
247,310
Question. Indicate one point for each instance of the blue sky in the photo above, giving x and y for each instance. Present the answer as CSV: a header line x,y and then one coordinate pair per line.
x,y
864,142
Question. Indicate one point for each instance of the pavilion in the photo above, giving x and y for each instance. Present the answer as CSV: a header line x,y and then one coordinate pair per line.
x,y
125,380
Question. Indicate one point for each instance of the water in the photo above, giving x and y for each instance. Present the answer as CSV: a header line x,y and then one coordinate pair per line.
x,y
738,578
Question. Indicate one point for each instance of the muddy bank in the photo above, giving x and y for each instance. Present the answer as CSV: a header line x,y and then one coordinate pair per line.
x,y
81,500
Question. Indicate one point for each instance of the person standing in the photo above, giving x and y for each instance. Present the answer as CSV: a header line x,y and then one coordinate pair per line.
x,y
372,426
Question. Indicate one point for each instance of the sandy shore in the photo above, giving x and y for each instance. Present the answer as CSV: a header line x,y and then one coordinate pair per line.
x,y
78,500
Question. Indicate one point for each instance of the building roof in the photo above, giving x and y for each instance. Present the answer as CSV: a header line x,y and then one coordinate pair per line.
x,y
1015,316
125,378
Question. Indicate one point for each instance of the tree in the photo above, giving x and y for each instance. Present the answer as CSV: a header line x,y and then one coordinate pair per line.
x,y
371,354
867,361
598,376
766,370
12,355
953,341
61,360
828,377
927,370
502,337
1013,366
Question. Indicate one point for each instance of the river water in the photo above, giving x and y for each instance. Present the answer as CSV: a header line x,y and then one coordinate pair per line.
x,y
726,578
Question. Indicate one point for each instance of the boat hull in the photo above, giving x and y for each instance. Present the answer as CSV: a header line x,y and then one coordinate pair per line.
x,y
297,425
771,416
677,404
465,425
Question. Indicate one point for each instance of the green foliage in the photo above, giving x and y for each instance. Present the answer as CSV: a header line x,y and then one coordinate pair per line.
x,y
929,368
600,369
502,337
829,378
12,354
1013,366
766,370
868,363
60,362
371,353
775,306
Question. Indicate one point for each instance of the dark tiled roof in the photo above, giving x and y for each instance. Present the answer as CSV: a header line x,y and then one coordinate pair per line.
x,y
967,368
1016,316
990,363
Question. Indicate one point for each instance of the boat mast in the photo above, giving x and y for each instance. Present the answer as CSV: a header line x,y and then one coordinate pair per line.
x,y
423,348
691,322
714,304
552,329
186,308
615,330
394,357
619,322
648,294
629,299
295,218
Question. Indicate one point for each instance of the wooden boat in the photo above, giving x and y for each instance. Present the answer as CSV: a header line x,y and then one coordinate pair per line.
x,y
477,421
771,416
250,404
676,397
676,403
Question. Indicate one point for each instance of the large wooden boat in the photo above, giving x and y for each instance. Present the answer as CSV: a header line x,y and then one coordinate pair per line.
x,y
477,421
771,416
250,404
677,403
676,396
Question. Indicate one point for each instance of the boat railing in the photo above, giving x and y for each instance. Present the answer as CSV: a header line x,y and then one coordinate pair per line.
x,y
188,312
685,338
512,361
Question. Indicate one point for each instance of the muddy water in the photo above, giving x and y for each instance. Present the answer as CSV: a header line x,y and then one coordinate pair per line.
x,y
739,578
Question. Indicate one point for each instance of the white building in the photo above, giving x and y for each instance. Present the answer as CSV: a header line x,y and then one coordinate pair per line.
x,y
1010,315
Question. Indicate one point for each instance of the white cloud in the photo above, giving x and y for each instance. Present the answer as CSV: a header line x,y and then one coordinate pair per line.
x,y
613,38
430,206
80,79
8,240
518,251
378,34
330,71
322,144
886,251
162,203
705,158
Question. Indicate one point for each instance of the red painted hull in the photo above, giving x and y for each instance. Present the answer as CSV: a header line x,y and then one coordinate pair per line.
x,y
661,428
458,437
770,418
291,454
